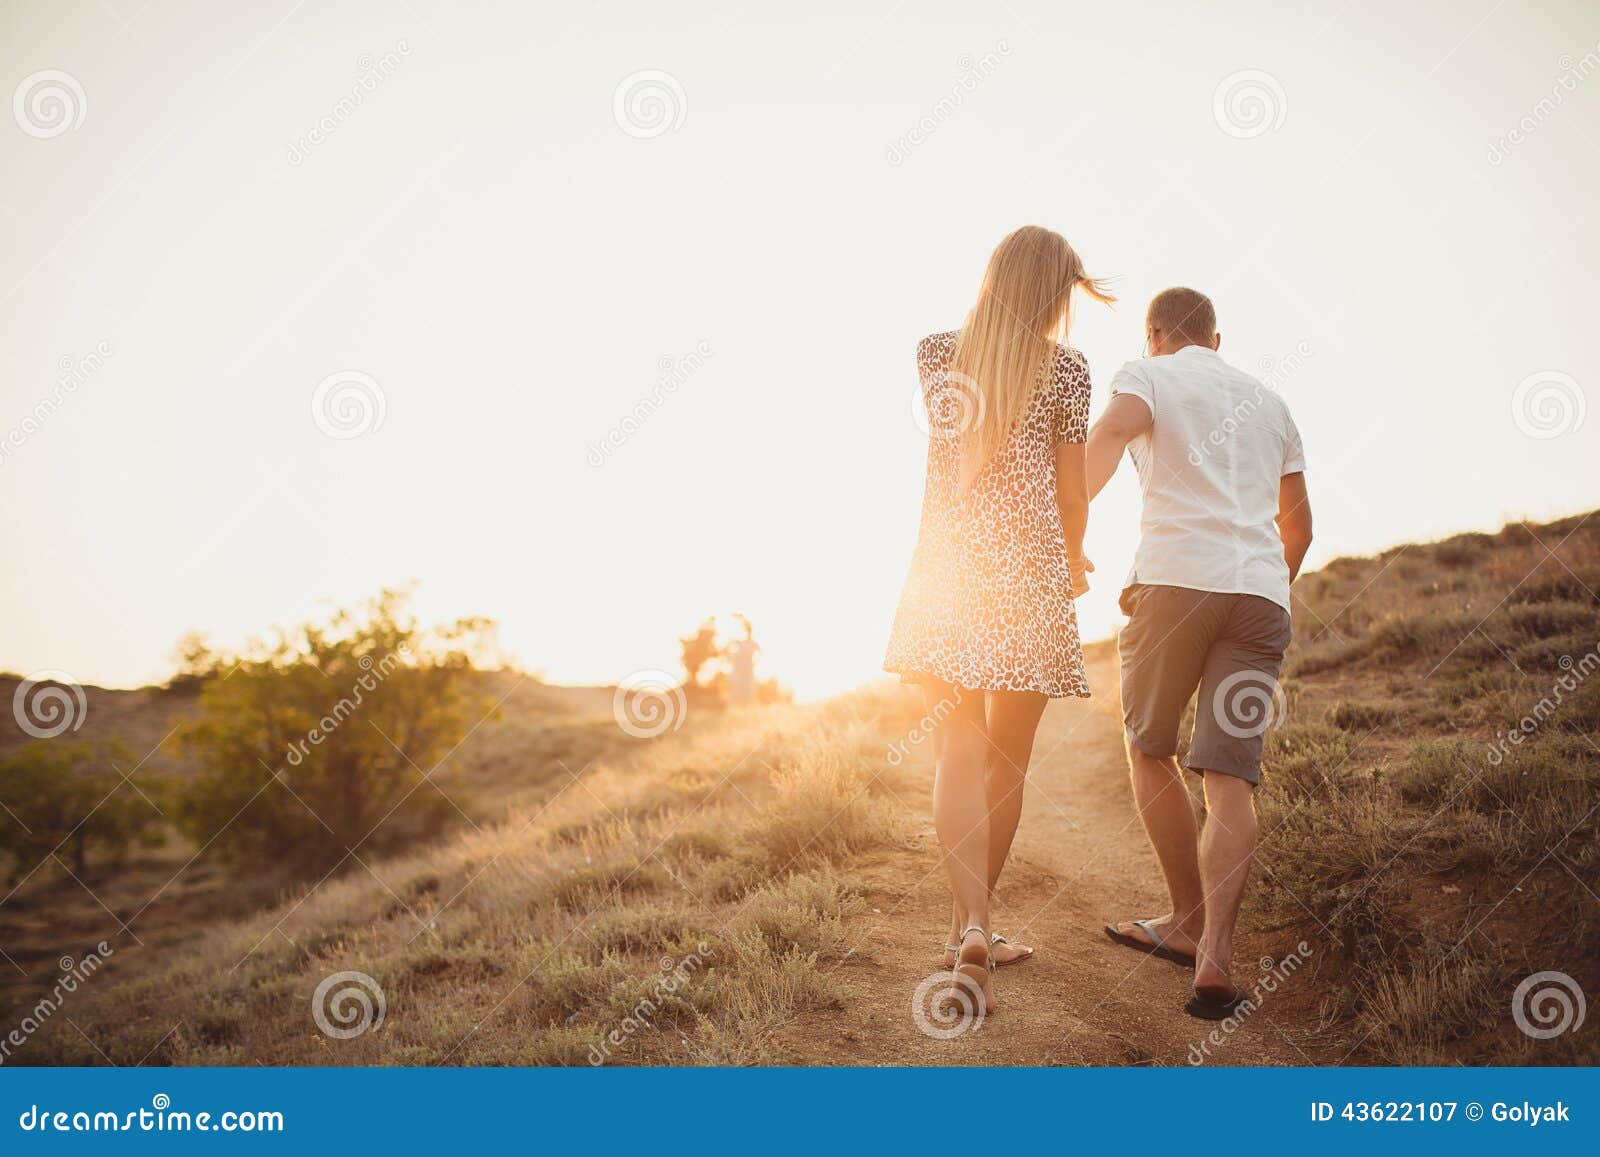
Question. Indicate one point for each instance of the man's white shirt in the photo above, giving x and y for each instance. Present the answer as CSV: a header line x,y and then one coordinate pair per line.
x,y
1209,468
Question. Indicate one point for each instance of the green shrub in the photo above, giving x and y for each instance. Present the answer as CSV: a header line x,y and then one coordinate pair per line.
x,y
1299,757
1434,770
1550,620
1463,550
69,799
588,888
562,1046
639,930
804,912
563,986
822,813
1348,715
347,716
1554,584
696,843
1406,637
1553,655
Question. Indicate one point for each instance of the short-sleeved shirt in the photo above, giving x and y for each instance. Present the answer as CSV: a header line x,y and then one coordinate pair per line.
x,y
1209,468
987,604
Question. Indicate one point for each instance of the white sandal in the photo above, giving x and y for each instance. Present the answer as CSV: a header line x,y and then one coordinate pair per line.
x,y
994,939
975,977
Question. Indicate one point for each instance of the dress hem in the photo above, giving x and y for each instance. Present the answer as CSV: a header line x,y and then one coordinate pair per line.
x,y
918,676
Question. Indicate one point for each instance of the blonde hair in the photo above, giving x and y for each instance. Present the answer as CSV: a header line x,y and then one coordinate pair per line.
x,y
1006,345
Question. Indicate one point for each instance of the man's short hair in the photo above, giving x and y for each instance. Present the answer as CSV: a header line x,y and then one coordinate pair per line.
x,y
1182,313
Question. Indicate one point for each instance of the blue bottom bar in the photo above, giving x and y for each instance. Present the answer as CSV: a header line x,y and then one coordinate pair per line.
x,y
809,1111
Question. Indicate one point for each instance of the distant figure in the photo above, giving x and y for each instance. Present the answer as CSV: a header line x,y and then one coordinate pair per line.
x,y
986,623
1226,525
742,666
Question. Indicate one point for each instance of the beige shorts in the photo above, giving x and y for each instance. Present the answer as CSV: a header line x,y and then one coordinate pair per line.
x,y
1228,646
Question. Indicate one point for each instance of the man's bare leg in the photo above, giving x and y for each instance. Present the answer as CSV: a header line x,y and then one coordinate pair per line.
x,y
1226,848
1168,814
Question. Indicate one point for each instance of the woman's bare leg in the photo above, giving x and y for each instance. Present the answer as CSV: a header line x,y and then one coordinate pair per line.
x,y
1011,722
960,801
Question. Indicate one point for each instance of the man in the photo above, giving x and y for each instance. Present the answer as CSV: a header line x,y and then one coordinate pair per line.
x,y
1225,526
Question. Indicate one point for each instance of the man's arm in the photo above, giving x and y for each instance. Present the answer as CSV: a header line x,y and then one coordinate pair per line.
x,y
1294,520
1124,420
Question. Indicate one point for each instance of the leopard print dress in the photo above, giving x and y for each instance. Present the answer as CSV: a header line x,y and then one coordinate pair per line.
x,y
988,603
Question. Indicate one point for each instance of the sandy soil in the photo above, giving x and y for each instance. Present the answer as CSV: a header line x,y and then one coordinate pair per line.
x,y
1080,859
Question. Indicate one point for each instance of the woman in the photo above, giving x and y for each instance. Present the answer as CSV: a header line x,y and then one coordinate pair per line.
x,y
985,622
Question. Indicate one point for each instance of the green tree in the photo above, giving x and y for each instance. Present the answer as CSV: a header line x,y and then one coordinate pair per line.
x,y
319,743
69,799
195,661
699,649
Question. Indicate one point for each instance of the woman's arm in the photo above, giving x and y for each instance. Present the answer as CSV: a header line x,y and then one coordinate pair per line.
x,y
1072,503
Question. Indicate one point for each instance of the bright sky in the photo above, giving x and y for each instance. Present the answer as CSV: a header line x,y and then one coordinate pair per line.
x,y
513,255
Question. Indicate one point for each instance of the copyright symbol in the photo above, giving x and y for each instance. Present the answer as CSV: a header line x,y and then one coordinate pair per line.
x,y
1474,1111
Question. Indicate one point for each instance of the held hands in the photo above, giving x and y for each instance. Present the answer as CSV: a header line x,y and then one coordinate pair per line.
x,y
1079,566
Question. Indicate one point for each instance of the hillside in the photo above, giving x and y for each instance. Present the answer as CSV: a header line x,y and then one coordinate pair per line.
x,y
143,717
761,887
1435,802
170,893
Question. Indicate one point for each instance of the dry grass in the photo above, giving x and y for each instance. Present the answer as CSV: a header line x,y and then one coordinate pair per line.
x,y
170,893
681,900
1444,861
674,905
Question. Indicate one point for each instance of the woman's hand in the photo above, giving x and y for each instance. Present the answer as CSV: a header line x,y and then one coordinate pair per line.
x,y
1079,566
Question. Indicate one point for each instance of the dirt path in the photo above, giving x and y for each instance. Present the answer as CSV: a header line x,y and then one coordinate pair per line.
x,y
1080,859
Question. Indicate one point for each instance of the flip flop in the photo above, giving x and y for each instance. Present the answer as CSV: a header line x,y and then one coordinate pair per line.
x,y
995,938
1213,1004
1155,946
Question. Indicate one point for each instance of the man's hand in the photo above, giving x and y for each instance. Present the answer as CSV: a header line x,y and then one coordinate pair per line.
x,y
1079,568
